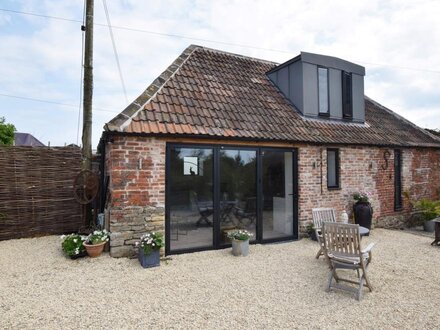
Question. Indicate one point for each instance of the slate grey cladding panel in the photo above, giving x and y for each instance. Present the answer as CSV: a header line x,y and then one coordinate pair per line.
x,y
310,89
358,98
296,86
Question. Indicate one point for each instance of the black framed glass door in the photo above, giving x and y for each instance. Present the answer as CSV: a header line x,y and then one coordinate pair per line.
x,y
212,189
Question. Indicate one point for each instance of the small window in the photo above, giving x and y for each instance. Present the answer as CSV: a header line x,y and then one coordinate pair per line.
x,y
323,91
347,95
332,168
397,180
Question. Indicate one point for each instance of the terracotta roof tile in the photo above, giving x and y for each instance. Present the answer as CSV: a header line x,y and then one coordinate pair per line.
x,y
226,95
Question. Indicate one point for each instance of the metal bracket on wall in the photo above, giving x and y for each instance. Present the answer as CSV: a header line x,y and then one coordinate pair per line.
x,y
386,156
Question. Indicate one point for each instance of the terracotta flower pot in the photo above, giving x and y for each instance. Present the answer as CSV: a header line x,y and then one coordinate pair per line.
x,y
94,250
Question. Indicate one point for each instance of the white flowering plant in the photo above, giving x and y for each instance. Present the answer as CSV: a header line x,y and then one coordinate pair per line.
x,y
72,244
150,241
98,237
362,196
240,234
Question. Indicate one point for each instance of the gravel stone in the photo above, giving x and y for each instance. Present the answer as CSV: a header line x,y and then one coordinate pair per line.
x,y
278,286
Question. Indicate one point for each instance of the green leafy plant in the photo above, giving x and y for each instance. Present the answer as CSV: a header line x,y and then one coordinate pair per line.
x,y
6,133
310,229
430,208
72,244
240,234
362,196
151,241
98,237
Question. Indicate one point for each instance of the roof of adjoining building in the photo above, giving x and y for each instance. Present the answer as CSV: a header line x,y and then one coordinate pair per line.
x,y
26,139
211,93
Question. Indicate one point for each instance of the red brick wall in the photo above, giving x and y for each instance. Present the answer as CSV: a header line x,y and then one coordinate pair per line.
x,y
136,166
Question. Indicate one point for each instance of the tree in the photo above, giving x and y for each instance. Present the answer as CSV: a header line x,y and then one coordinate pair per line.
x,y
6,133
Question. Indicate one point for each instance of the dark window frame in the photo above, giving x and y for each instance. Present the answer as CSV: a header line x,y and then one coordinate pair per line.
x,y
347,99
324,114
337,169
398,202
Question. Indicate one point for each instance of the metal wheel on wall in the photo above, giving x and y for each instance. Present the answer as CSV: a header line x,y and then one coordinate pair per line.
x,y
85,187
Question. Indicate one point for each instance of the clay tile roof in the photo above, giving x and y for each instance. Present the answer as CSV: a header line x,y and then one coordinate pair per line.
x,y
207,92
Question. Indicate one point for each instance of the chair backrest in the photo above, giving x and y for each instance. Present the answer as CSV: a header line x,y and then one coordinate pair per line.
x,y
323,214
341,239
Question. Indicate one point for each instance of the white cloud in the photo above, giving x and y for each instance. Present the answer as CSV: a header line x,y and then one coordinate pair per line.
x,y
42,59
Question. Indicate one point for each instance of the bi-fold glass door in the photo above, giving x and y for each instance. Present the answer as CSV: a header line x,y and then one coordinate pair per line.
x,y
212,190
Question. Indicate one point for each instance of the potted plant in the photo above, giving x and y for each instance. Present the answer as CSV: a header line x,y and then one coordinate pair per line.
x,y
149,249
311,232
240,242
430,210
73,245
363,212
95,242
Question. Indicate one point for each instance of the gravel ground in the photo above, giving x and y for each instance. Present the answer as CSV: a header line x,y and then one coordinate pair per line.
x,y
276,286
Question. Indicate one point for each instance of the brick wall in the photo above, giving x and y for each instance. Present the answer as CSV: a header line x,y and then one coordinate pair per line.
x,y
136,166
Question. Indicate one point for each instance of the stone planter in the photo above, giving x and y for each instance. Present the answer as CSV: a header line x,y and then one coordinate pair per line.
x,y
94,250
429,226
240,248
150,260
363,214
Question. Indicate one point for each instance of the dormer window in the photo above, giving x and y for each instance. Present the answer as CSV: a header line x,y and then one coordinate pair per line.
x,y
323,99
347,96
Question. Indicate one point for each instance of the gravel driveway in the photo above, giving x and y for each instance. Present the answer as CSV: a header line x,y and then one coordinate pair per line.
x,y
276,286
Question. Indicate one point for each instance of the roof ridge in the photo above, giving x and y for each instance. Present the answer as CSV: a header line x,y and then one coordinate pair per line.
x,y
401,118
235,54
124,118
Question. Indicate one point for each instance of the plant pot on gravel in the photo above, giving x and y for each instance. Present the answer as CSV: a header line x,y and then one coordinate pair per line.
x,y
149,249
363,212
311,232
429,226
95,243
240,242
73,245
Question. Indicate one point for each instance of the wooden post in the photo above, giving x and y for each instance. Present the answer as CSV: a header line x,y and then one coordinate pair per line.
x,y
88,88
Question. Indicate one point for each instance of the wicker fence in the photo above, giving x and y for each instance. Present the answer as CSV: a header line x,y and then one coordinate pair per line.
x,y
36,191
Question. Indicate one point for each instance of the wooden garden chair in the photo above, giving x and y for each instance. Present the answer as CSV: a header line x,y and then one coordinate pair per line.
x,y
321,215
343,249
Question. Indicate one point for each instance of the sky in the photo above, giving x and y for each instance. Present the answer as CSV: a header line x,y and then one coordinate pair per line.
x,y
398,42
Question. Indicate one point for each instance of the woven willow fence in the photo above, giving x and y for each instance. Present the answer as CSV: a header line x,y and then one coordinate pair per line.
x,y
36,191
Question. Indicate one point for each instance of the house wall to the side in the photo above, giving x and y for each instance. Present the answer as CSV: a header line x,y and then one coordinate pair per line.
x,y
136,166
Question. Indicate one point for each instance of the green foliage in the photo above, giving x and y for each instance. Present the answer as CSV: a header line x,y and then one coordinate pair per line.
x,y
98,237
73,244
6,133
430,208
240,234
151,241
310,228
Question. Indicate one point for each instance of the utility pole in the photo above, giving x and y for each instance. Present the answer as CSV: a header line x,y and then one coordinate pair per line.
x,y
88,88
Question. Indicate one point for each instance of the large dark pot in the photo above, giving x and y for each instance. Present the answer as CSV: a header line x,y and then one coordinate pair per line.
x,y
363,213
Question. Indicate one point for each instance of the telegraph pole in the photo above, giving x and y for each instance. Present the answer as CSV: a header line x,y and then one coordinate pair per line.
x,y
88,88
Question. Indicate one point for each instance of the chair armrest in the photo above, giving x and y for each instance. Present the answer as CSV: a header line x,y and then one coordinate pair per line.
x,y
368,248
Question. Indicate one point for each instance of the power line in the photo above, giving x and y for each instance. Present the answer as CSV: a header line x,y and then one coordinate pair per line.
x,y
52,102
115,52
207,40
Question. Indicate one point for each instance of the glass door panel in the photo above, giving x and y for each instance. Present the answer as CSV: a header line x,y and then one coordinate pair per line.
x,y
238,192
277,186
190,198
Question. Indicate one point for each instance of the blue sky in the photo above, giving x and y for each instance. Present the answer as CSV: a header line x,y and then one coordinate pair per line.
x,y
397,41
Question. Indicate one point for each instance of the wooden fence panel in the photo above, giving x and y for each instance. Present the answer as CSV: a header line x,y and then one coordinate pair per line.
x,y
36,191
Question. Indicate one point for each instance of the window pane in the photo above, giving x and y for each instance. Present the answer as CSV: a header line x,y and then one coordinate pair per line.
x,y
191,198
332,179
347,99
323,90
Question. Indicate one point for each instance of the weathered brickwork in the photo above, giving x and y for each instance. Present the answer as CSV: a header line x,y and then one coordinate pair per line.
x,y
136,166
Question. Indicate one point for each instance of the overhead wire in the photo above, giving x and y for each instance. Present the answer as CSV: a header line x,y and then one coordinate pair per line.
x,y
206,40
115,52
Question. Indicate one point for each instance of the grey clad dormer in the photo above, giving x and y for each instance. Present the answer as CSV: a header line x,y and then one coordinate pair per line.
x,y
322,86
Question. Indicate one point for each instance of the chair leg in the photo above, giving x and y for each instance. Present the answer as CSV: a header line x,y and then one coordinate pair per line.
x,y
330,279
319,253
367,281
